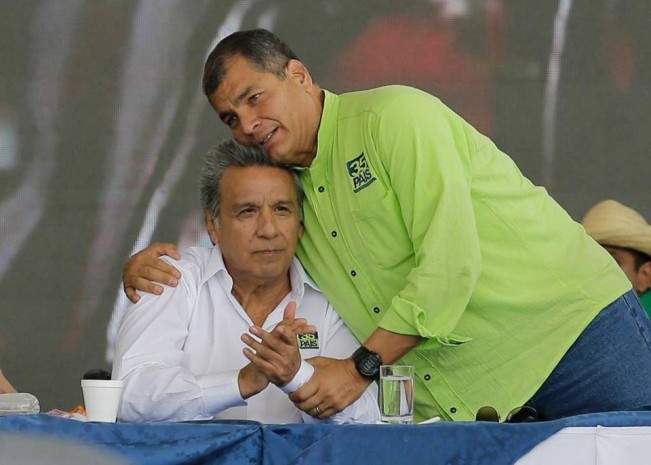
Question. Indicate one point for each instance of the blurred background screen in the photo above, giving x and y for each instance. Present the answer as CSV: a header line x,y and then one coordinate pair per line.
x,y
103,127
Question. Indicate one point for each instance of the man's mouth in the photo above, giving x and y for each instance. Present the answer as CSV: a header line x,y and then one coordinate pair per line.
x,y
265,139
268,251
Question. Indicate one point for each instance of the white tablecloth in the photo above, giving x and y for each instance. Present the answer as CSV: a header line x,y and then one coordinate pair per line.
x,y
598,445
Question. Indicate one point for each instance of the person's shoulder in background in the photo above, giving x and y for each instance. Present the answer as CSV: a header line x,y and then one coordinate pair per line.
x,y
5,385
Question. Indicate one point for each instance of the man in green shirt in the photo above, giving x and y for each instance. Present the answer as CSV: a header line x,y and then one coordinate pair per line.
x,y
627,236
433,247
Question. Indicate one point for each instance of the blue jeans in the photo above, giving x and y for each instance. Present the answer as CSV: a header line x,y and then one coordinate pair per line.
x,y
608,367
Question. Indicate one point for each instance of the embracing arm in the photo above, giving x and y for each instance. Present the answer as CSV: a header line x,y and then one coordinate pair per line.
x,y
143,270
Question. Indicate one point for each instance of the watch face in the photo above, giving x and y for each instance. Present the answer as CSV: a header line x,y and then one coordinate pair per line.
x,y
367,362
369,365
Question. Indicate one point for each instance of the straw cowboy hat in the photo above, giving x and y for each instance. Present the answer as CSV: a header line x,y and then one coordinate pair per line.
x,y
611,223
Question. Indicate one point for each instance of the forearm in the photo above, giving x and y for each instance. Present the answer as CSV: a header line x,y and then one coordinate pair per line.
x,y
154,393
391,346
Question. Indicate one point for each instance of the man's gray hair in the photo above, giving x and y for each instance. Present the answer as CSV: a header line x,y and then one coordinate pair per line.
x,y
232,153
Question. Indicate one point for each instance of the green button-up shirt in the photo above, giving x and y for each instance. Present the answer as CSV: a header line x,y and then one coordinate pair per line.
x,y
418,224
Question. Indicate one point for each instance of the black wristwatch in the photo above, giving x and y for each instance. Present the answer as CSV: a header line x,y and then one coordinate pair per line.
x,y
367,362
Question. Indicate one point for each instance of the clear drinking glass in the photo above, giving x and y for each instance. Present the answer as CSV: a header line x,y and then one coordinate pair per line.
x,y
396,394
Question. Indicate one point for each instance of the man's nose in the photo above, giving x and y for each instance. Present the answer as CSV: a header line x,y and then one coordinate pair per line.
x,y
249,122
267,224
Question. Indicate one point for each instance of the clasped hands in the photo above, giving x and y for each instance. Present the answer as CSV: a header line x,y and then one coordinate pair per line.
x,y
274,358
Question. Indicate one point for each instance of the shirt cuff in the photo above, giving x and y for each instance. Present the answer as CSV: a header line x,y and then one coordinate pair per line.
x,y
302,376
220,391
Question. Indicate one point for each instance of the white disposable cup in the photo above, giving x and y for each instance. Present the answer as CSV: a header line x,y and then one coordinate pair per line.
x,y
396,394
102,398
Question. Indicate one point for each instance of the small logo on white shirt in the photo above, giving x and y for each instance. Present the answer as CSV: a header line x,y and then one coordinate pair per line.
x,y
308,341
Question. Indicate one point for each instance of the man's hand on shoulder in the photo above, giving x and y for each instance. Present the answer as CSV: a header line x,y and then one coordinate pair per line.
x,y
143,270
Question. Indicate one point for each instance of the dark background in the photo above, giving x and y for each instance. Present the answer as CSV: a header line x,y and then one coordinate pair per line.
x,y
103,127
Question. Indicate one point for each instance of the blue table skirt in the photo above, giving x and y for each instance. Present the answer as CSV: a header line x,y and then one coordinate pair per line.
x,y
252,443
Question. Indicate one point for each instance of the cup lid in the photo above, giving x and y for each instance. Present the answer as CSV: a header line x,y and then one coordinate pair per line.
x,y
108,383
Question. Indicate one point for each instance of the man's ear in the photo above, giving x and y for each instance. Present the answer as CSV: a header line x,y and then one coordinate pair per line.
x,y
297,70
644,272
211,227
301,230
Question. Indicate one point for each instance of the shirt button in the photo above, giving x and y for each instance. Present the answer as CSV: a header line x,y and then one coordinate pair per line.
x,y
453,410
427,377
321,188
376,310
333,233
353,273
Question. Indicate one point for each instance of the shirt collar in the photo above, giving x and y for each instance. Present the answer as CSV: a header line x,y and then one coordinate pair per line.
x,y
299,279
327,128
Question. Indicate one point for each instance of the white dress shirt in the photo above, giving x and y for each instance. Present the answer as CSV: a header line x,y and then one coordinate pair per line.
x,y
180,353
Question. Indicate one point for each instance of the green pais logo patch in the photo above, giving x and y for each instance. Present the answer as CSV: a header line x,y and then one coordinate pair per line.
x,y
360,173
308,341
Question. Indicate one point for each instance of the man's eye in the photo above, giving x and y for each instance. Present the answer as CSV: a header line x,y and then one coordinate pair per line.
x,y
230,121
254,98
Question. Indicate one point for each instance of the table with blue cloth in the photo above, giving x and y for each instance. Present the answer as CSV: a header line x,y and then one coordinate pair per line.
x,y
234,442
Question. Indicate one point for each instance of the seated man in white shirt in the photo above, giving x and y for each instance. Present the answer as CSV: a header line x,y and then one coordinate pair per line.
x,y
187,354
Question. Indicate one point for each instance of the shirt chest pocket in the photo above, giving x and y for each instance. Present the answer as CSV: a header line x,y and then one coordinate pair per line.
x,y
382,232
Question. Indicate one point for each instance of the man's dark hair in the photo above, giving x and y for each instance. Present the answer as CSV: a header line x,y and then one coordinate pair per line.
x,y
232,153
264,50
